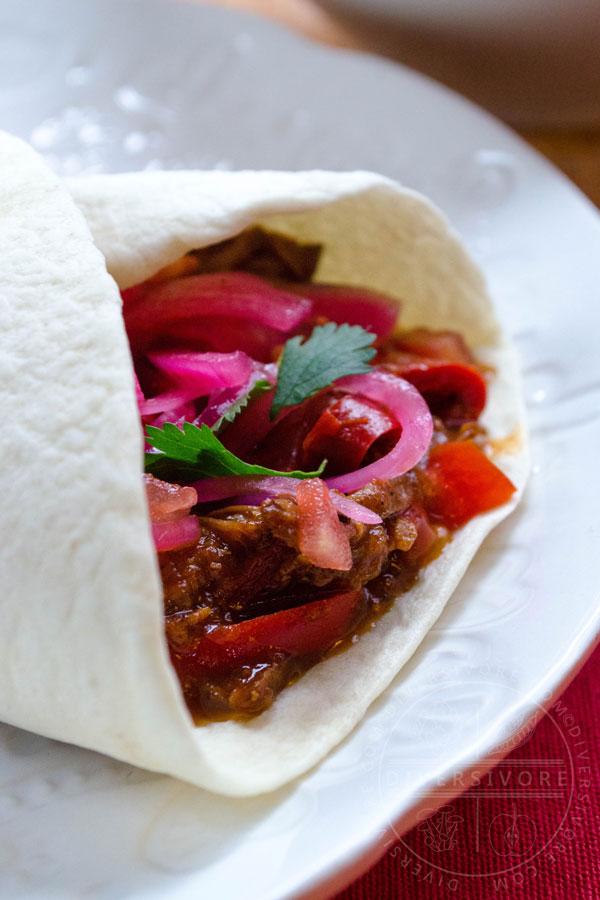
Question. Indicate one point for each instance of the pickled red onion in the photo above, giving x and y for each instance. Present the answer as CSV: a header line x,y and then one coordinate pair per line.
x,y
196,375
353,510
205,372
169,506
373,311
220,401
237,295
166,402
322,538
409,409
168,502
171,535
177,416
246,486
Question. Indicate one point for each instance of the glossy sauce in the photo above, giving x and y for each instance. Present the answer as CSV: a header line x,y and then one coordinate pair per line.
x,y
251,690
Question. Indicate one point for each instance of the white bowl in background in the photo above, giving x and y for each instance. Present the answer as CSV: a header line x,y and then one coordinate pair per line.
x,y
532,62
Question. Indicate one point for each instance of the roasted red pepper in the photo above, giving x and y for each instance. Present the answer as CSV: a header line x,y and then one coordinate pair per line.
x,y
462,483
454,391
447,345
301,631
344,432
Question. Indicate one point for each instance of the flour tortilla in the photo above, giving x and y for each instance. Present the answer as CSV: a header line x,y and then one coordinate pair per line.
x,y
83,653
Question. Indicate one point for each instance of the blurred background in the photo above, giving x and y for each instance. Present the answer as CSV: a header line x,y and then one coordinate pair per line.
x,y
533,63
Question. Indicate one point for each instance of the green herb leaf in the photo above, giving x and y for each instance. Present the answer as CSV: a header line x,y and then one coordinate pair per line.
x,y
162,466
257,390
331,352
198,452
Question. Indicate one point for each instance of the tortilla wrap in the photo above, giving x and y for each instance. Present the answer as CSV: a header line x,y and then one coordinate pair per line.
x,y
84,657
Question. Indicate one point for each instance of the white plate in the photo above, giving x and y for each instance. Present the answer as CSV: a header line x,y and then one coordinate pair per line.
x,y
116,85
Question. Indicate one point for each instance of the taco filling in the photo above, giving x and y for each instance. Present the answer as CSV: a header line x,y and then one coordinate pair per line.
x,y
305,460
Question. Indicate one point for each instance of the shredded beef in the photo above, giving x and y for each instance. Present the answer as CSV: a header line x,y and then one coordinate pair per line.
x,y
246,561
233,559
243,692
386,498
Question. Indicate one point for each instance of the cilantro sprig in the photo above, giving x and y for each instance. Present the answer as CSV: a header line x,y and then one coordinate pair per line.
x,y
197,452
331,352
259,388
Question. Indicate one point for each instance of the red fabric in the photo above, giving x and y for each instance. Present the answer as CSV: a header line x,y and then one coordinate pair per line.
x,y
530,830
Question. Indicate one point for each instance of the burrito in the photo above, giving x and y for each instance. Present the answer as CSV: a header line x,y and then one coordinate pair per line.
x,y
256,426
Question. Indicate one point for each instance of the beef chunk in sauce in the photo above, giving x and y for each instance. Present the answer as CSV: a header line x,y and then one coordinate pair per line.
x,y
247,563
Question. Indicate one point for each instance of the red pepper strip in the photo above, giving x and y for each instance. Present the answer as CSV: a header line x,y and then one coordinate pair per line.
x,y
447,345
463,483
455,392
218,333
303,630
344,432
183,303
322,538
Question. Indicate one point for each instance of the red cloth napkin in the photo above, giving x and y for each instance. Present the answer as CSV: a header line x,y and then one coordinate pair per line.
x,y
529,830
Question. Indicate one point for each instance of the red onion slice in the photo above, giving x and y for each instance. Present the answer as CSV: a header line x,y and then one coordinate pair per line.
x,y
322,538
171,535
237,295
166,402
169,506
196,375
210,490
168,502
371,310
220,401
409,408
205,372
353,510
177,416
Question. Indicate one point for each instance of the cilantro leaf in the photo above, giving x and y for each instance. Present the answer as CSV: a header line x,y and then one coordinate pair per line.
x,y
199,453
331,352
162,466
259,388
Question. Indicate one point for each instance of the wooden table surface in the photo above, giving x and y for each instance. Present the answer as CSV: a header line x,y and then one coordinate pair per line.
x,y
575,151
